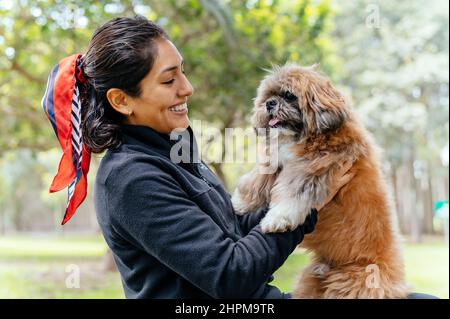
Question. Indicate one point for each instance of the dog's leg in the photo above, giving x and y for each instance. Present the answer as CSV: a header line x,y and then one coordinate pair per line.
x,y
359,281
252,191
310,285
292,199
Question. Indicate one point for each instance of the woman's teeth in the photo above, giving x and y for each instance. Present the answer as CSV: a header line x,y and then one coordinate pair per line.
x,y
179,108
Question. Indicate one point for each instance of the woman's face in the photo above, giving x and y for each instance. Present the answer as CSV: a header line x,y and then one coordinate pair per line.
x,y
162,104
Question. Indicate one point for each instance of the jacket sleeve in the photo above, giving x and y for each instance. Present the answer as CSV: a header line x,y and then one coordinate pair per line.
x,y
250,220
154,213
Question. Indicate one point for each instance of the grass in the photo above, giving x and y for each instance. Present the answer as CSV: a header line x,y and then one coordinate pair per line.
x,y
47,280
50,248
39,267
427,269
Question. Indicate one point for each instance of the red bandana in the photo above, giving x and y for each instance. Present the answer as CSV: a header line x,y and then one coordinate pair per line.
x,y
62,104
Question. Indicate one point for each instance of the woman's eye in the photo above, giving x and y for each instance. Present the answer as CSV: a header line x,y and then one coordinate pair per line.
x,y
288,96
169,82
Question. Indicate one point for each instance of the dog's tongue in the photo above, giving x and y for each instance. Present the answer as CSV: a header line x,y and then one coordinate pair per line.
x,y
274,121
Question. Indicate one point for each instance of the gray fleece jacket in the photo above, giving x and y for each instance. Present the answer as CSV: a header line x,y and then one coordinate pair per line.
x,y
172,229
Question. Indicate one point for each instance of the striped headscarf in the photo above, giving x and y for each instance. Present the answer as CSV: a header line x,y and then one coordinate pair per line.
x,y
61,103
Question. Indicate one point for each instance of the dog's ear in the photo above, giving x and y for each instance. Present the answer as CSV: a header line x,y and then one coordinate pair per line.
x,y
328,106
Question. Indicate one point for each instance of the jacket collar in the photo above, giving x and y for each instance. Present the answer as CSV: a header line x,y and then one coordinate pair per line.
x,y
177,146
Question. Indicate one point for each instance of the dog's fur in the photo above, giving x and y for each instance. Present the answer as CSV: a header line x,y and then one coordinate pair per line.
x,y
355,242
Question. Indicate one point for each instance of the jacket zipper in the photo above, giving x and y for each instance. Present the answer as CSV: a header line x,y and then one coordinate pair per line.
x,y
206,181
197,172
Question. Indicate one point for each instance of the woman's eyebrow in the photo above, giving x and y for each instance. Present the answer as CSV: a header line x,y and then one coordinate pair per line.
x,y
171,68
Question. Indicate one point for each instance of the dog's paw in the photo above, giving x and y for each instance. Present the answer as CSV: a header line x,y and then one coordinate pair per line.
x,y
240,207
284,216
277,224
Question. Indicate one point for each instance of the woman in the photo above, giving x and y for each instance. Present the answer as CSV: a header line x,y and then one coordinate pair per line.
x,y
170,226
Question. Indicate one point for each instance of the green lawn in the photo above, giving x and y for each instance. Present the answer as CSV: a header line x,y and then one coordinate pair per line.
x,y
38,267
427,269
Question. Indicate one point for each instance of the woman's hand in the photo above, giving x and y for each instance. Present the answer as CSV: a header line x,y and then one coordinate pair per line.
x,y
339,179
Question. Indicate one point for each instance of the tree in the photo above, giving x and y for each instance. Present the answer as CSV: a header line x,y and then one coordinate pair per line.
x,y
226,45
395,62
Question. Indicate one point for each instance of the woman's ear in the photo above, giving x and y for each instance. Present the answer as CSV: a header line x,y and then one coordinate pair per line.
x,y
119,101
328,106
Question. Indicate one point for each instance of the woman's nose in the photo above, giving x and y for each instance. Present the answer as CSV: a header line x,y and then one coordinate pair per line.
x,y
186,89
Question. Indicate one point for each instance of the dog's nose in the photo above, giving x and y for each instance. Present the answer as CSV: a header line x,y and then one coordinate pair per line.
x,y
271,104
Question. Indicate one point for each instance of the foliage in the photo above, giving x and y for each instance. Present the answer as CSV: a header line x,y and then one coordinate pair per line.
x,y
394,68
225,47
393,59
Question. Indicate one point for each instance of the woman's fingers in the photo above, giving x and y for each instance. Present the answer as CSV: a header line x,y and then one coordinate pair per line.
x,y
344,168
342,177
339,180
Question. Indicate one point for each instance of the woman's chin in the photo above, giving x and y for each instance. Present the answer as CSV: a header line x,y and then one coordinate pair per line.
x,y
181,125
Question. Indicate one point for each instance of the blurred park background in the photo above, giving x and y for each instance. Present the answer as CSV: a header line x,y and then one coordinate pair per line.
x,y
389,57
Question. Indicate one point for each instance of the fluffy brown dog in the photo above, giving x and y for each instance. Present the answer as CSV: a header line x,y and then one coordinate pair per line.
x,y
355,242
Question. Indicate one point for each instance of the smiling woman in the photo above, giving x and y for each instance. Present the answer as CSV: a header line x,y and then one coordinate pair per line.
x,y
171,226
121,68
162,103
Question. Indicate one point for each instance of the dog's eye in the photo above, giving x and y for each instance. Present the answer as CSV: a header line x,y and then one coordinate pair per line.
x,y
288,96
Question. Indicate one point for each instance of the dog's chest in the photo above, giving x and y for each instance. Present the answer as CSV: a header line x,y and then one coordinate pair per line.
x,y
285,153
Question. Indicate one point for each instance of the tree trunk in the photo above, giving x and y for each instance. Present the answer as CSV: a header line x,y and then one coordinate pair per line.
x,y
397,197
108,262
415,198
428,203
3,217
17,217
446,190
218,169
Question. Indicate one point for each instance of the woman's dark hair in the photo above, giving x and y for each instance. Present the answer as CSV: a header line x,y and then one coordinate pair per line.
x,y
120,54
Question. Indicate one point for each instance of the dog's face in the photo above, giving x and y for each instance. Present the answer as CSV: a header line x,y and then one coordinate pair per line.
x,y
299,101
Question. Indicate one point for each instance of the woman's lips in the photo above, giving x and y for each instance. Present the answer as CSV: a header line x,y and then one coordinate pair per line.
x,y
179,109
